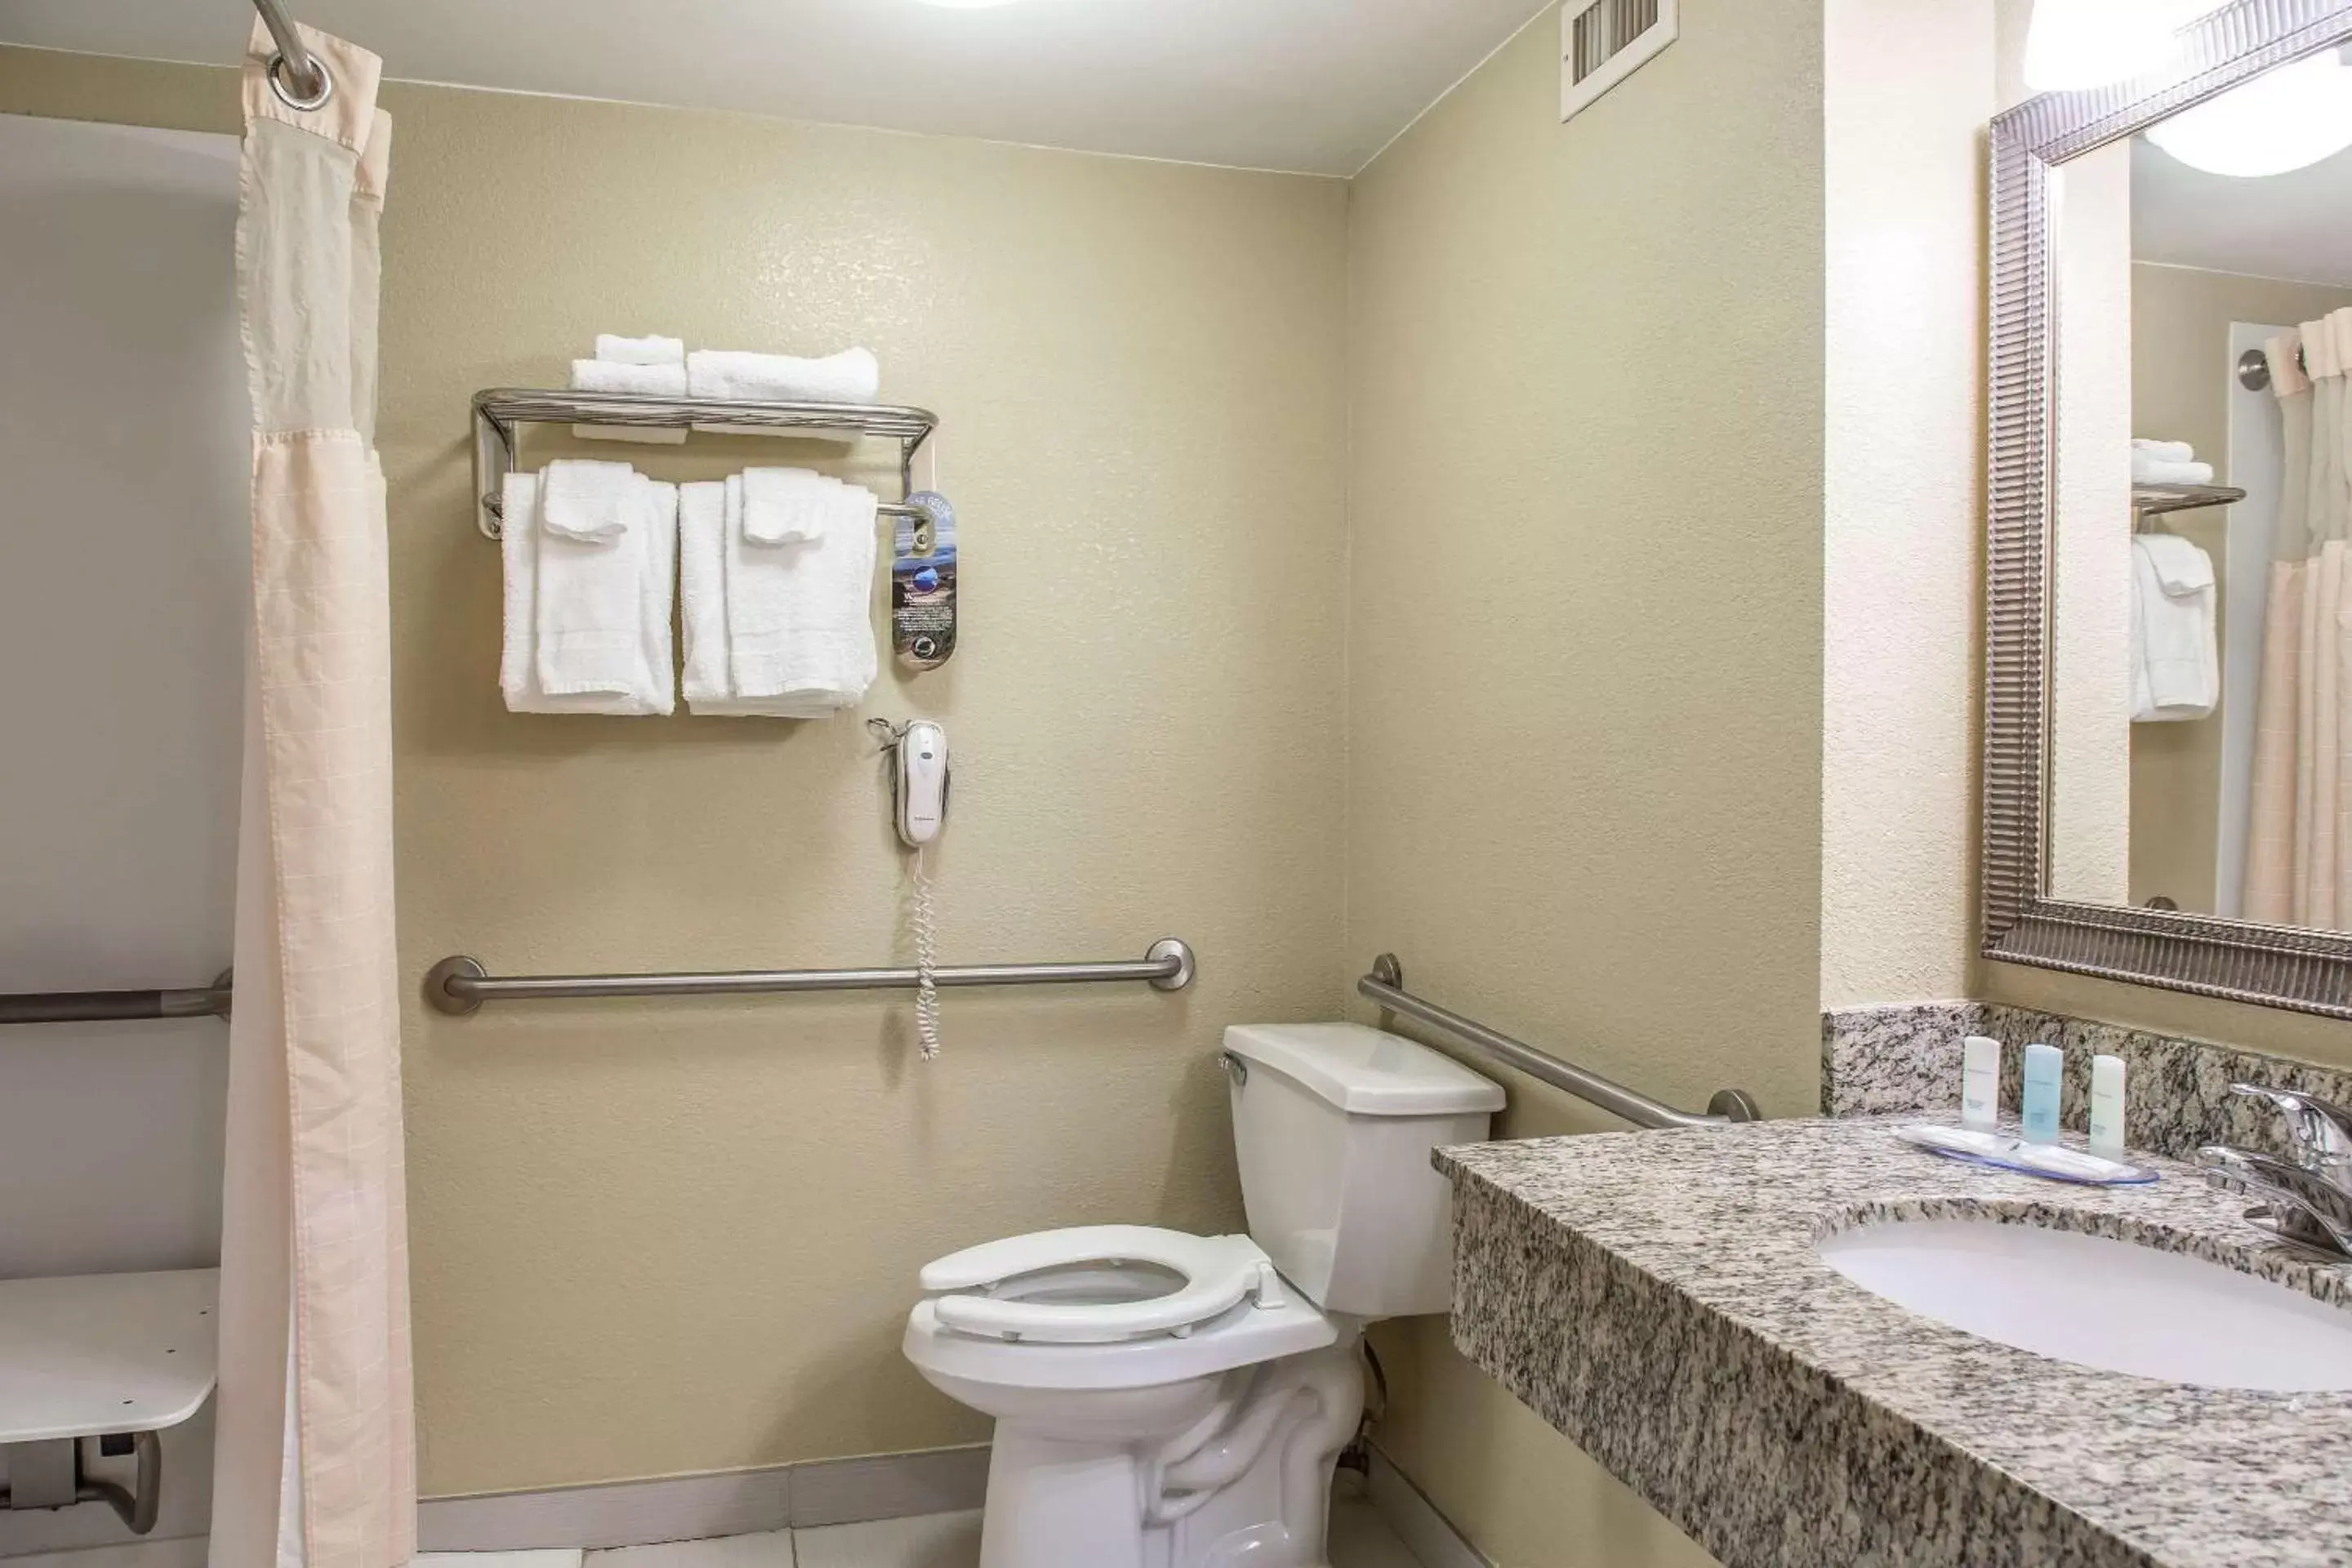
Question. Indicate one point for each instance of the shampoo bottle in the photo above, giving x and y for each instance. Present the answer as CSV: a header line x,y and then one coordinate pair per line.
x,y
1979,1082
2107,1107
2044,1066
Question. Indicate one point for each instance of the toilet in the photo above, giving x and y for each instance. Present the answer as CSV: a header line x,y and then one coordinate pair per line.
x,y
1165,1400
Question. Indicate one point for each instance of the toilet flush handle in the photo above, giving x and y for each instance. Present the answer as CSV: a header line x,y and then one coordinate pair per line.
x,y
1270,1293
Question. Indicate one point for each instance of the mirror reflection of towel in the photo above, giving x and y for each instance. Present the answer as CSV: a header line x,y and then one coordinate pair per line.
x,y
2176,663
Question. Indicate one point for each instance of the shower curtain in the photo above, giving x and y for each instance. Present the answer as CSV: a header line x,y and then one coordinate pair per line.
x,y
315,1459
2299,852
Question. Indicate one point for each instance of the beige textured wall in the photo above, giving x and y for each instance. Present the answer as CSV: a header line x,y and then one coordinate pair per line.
x,y
655,1238
2181,392
1903,96
1585,668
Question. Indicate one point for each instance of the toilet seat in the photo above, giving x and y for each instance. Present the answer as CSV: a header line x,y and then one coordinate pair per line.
x,y
1005,1290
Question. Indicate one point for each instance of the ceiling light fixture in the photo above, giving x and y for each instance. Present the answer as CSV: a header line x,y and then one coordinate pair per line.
x,y
966,4
2073,45
2284,118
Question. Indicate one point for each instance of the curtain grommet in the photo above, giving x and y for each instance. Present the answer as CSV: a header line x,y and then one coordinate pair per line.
x,y
292,98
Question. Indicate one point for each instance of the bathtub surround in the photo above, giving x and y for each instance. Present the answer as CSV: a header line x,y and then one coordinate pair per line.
x,y
1865,1433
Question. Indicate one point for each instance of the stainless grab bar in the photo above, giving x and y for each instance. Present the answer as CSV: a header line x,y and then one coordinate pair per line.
x,y
109,1006
460,985
1385,985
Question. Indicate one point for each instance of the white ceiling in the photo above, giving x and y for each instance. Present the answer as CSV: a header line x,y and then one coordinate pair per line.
x,y
1314,86
2295,226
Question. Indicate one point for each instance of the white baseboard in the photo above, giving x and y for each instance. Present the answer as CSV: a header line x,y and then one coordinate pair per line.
x,y
692,1508
1428,1534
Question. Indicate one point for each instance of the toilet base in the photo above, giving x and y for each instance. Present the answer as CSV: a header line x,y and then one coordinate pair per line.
x,y
1235,1469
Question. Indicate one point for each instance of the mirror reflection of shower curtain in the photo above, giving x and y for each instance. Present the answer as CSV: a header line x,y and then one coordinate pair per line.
x,y
315,1460
2299,849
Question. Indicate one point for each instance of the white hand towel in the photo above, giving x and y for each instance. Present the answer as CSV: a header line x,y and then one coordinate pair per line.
x,y
800,623
702,592
786,506
521,542
645,380
2155,471
2176,662
585,500
614,349
2164,451
852,375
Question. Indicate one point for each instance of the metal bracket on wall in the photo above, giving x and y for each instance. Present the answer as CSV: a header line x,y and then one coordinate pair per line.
x,y
50,1474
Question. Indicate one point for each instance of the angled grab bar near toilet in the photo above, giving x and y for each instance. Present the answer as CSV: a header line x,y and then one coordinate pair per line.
x,y
1385,985
459,984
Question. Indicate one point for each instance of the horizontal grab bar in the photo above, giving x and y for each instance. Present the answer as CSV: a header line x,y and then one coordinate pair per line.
x,y
459,984
1385,985
111,1006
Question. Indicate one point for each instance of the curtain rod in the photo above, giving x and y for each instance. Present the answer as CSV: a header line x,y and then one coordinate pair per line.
x,y
308,83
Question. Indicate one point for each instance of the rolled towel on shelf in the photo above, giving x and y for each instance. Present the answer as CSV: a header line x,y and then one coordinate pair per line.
x,y
649,367
2159,474
727,376
2164,451
614,349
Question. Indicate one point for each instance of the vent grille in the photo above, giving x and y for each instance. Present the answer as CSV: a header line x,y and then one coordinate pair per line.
x,y
1606,41
1599,34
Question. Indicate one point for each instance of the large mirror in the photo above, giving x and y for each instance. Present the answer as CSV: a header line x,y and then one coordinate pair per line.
x,y
2168,789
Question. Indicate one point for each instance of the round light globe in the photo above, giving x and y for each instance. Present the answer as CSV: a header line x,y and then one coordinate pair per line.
x,y
2284,118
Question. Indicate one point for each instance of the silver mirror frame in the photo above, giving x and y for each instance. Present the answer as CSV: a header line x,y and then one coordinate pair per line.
x,y
2309,971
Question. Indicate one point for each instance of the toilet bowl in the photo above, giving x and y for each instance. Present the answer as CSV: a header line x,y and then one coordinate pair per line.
x,y
1164,1400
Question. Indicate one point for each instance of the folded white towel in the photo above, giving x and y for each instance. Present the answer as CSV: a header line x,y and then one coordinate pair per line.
x,y
786,506
615,375
852,375
583,500
702,594
2176,663
800,623
2158,472
2166,451
615,350
646,553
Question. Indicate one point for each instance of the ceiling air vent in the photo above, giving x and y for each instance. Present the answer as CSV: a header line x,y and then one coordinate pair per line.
x,y
1604,43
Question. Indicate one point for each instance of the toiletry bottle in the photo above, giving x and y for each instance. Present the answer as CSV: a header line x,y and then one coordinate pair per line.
x,y
1979,1082
2107,1107
2043,1068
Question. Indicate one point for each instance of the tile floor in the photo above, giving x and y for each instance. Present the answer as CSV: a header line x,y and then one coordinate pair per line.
x,y
1359,1539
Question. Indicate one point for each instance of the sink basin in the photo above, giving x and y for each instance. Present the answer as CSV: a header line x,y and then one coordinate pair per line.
x,y
2096,1302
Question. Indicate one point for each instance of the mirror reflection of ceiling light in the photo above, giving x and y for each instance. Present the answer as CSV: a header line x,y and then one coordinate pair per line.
x,y
2077,44
2283,120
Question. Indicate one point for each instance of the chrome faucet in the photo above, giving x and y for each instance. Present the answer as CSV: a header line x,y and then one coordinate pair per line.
x,y
2307,1198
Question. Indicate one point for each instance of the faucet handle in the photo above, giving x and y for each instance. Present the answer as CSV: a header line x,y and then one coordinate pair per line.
x,y
2320,1131
2306,1205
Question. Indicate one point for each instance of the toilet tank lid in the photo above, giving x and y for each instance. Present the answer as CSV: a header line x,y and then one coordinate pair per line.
x,y
1364,1071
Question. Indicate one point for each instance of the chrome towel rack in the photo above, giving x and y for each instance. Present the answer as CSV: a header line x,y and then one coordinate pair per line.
x,y
500,412
109,1006
460,985
1385,985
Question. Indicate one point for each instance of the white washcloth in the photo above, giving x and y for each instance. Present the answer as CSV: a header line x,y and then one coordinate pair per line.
x,y
2176,664
617,375
2147,470
2164,451
651,688
615,350
800,623
585,500
852,375
786,506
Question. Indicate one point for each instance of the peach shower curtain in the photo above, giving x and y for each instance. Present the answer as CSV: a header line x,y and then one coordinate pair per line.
x,y
315,1462
2299,853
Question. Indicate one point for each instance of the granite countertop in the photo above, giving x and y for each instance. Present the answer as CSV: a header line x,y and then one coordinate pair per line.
x,y
1657,1297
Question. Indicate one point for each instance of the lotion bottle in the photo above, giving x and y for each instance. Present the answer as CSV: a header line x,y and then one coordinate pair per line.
x,y
1980,1083
2107,1107
2044,1068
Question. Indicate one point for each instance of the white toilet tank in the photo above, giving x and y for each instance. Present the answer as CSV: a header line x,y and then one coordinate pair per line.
x,y
1333,1124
